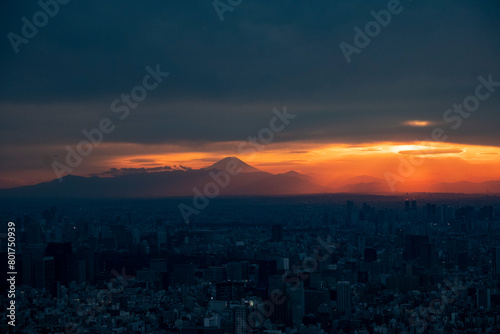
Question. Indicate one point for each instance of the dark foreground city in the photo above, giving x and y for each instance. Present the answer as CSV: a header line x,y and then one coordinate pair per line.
x,y
428,263
250,167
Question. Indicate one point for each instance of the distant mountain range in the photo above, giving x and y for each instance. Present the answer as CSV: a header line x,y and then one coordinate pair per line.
x,y
492,187
176,183
248,181
371,185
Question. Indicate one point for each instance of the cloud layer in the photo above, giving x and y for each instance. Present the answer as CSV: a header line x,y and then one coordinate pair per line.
x,y
227,76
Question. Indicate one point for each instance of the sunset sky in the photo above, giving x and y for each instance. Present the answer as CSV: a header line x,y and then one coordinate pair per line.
x,y
352,120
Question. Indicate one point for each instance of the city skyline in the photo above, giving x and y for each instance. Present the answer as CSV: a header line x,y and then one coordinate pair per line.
x,y
258,167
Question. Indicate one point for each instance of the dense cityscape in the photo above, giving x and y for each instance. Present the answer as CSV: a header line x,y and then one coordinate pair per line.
x,y
250,167
296,264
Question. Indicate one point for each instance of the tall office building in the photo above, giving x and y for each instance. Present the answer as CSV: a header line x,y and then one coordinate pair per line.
x,y
32,265
350,210
413,246
380,220
32,231
430,212
276,293
162,239
267,268
370,255
240,315
48,275
282,263
297,303
183,273
234,271
315,298
496,261
448,213
343,296
276,283
224,291
361,245
214,274
427,256
159,265
439,215
61,251
486,212
50,216
80,271
483,299
277,232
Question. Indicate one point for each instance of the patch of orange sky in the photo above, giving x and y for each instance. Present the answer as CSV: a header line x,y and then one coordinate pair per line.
x,y
437,162
329,164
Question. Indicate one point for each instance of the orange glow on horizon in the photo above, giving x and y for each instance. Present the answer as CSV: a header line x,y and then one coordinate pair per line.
x,y
440,162
329,164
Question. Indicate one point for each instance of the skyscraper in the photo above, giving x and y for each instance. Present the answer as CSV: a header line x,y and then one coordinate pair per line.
x,y
61,251
32,234
407,206
297,304
276,293
240,315
413,246
48,275
277,231
343,296
32,265
496,261
234,271
370,255
361,245
350,209
183,273
224,291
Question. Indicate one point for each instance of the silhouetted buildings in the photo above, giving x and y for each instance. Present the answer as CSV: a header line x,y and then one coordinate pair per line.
x,y
371,275
343,296
277,232
496,261
370,255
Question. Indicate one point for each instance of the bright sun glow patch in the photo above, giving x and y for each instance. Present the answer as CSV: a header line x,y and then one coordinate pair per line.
x,y
416,123
402,148
329,163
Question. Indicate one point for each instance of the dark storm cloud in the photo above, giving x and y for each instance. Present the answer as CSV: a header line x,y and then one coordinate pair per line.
x,y
227,76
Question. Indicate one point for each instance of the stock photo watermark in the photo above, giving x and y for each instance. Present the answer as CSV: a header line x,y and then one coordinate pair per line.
x,y
103,298
454,118
12,272
120,106
30,28
363,37
423,316
222,6
294,277
222,178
